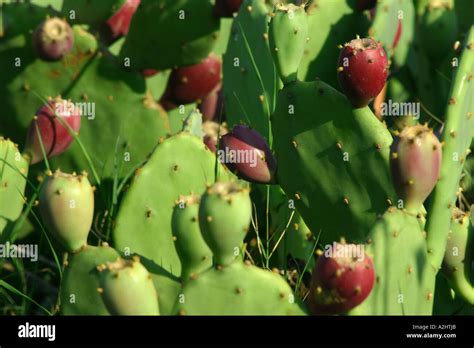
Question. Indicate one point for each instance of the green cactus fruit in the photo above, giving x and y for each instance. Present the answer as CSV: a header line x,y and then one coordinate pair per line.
x,y
288,34
127,288
224,218
67,208
80,281
415,163
13,172
192,250
458,256
438,29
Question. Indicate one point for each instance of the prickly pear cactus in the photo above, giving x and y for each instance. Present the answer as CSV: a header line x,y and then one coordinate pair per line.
x,y
181,165
245,157
404,278
327,153
80,281
245,288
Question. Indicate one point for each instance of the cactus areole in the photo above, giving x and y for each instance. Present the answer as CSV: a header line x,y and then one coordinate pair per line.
x,y
342,278
362,70
53,39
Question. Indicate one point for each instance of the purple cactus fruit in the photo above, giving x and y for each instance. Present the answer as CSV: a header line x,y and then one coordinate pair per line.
x,y
212,105
415,163
212,131
362,70
245,152
54,134
192,83
118,25
53,39
226,8
343,278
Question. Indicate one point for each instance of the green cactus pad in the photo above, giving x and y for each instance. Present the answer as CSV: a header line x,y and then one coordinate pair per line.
x,y
190,35
438,30
404,278
120,100
385,26
457,260
90,12
237,289
457,137
288,34
13,173
331,23
194,254
167,285
250,77
225,212
332,160
127,288
180,165
177,116
80,281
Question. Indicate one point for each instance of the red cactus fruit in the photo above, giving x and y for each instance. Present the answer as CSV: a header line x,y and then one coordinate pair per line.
x,y
212,131
53,39
342,279
118,25
54,135
149,72
227,8
192,83
362,70
212,105
245,152
415,163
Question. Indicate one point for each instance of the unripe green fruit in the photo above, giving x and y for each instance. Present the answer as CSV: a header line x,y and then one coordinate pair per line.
x,y
193,251
67,208
127,288
288,34
224,218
